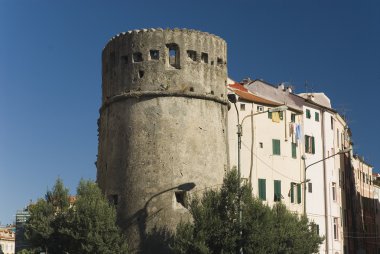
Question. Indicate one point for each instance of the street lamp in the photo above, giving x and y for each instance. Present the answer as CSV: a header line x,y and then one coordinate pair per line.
x,y
306,167
233,99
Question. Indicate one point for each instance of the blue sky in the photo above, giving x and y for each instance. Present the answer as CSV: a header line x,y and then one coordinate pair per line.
x,y
50,72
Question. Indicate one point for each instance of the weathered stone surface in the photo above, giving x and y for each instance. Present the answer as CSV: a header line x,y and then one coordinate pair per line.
x,y
162,124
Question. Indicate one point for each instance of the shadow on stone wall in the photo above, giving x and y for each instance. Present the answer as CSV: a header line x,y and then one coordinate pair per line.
x,y
157,241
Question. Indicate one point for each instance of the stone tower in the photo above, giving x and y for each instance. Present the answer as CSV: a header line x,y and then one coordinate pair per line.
x,y
162,126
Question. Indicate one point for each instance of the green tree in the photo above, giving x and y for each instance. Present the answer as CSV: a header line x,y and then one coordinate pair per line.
x,y
88,225
216,229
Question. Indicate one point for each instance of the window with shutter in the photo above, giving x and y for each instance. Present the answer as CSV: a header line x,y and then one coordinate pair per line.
x,y
277,190
294,150
276,147
308,114
299,193
293,118
309,144
270,115
292,192
316,116
262,189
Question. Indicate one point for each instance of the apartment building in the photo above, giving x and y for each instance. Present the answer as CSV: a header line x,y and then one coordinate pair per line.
x,y
270,152
7,239
277,148
364,235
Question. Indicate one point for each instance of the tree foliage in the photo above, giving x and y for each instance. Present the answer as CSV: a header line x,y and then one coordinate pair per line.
x,y
216,229
85,226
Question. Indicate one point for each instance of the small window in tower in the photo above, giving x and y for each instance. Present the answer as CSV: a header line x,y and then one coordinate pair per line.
x,y
191,54
154,54
219,61
124,59
191,89
141,74
113,199
181,198
137,57
204,57
212,62
173,55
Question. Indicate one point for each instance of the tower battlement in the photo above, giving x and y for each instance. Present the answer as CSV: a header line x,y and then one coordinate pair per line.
x,y
177,60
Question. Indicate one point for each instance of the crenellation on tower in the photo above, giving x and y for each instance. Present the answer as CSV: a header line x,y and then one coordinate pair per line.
x,y
128,63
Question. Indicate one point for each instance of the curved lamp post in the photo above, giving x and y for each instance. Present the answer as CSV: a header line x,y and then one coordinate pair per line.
x,y
306,167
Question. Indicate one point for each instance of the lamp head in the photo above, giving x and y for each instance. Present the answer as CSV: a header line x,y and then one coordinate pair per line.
x,y
232,97
186,186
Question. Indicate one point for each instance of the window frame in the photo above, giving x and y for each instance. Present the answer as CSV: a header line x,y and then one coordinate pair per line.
x,y
276,143
308,114
334,191
277,191
294,150
309,144
262,189
316,116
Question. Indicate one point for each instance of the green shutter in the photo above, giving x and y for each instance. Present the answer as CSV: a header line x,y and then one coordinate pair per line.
x,y
299,193
270,115
308,115
277,190
306,143
276,147
313,145
294,150
292,192
262,189
293,118
281,115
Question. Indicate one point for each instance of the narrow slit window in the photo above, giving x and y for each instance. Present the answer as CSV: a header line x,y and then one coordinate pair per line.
x,y
113,199
141,74
310,187
137,57
192,55
219,61
204,57
173,55
154,54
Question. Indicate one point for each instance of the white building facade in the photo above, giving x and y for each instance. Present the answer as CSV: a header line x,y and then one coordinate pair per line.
x,y
276,149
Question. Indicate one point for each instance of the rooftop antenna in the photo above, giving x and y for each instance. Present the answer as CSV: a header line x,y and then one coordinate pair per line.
x,y
306,87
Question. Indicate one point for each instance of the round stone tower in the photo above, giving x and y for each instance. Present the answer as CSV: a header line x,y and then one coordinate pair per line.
x,y
162,127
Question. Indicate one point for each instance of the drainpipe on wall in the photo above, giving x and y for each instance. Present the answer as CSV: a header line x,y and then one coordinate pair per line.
x,y
252,140
324,180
